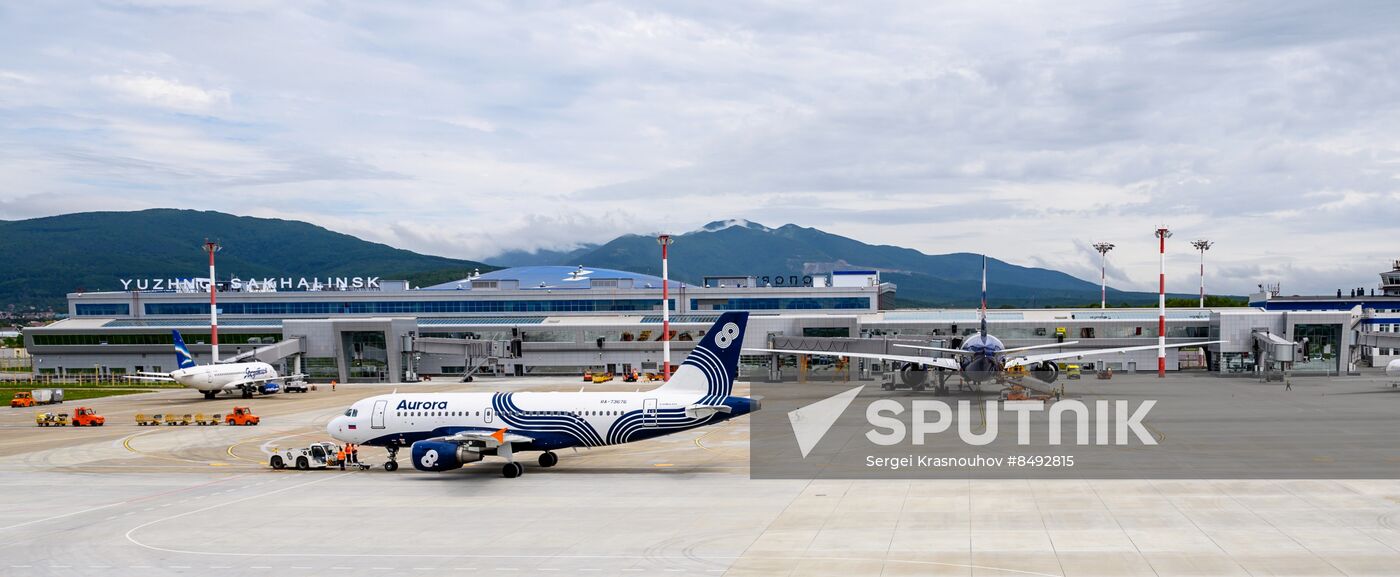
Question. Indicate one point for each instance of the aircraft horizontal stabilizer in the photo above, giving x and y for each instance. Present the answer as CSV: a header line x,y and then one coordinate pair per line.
x,y
702,411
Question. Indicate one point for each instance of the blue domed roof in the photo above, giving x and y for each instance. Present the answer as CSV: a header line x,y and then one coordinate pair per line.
x,y
556,278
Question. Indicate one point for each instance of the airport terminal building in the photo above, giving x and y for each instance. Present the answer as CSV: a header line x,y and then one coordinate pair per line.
x,y
559,320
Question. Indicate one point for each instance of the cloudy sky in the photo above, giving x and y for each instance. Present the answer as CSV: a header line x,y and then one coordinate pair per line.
x,y
1024,129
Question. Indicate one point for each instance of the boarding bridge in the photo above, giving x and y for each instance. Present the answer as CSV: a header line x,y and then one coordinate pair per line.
x,y
1275,353
273,352
475,352
1379,340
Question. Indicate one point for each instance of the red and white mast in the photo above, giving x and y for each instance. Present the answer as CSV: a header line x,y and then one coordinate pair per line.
x,y
1162,235
212,247
665,241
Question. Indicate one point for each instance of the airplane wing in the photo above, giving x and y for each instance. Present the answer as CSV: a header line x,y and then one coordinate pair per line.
x,y
950,364
939,349
150,377
1045,346
1033,359
253,381
490,440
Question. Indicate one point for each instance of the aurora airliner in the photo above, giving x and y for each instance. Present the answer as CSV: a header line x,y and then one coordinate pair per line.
x,y
445,431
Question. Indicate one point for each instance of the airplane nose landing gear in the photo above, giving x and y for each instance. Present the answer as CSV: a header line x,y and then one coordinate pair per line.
x,y
391,465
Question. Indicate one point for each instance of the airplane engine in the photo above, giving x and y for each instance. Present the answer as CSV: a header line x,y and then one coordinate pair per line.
x,y
916,376
1045,372
441,456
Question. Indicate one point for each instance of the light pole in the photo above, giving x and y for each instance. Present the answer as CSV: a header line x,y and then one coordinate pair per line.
x,y
1162,235
1103,248
665,242
212,247
1203,245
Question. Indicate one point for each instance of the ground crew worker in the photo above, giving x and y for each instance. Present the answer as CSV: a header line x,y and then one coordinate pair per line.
x,y
332,385
355,454
340,456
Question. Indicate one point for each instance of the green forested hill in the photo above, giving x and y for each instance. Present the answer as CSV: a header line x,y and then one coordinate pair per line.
x,y
46,258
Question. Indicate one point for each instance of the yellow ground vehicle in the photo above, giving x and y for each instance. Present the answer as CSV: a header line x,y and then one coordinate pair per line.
x,y
178,420
202,419
1016,372
1072,371
145,420
242,416
51,419
602,377
86,417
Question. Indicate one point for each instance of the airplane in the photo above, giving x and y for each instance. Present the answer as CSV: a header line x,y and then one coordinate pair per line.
x,y
1393,368
218,377
448,430
982,357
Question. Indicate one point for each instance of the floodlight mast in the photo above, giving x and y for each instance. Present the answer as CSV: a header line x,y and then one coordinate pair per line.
x,y
1103,248
1162,235
212,247
665,241
1203,246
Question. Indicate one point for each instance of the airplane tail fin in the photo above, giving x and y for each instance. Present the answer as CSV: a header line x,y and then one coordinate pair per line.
x,y
183,358
712,365
984,296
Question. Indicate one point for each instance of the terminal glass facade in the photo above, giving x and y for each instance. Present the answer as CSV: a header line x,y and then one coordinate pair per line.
x,y
366,355
1320,350
750,304
105,310
406,307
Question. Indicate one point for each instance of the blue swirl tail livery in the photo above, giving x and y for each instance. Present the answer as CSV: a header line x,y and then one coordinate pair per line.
x,y
448,430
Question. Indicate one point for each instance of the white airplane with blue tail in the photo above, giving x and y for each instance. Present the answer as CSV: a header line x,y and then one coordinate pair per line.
x,y
448,430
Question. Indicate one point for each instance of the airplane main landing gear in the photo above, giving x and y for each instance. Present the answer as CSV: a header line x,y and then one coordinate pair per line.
x,y
211,394
391,465
548,459
247,392
512,470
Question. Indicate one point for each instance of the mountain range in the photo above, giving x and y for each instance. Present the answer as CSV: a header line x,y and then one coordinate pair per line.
x,y
52,256
744,248
46,258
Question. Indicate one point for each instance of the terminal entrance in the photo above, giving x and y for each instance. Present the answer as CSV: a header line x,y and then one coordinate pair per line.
x,y
366,356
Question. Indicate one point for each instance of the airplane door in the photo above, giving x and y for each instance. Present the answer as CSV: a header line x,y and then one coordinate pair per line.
x,y
376,420
649,412
487,415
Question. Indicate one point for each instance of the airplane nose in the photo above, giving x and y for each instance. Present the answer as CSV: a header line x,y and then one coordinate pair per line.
x,y
336,426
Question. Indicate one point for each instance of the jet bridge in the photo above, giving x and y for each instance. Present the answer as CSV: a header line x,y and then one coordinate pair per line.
x,y
475,353
273,352
1275,353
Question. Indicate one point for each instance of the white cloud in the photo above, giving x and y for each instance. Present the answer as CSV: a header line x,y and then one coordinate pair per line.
x,y
163,92
1021,130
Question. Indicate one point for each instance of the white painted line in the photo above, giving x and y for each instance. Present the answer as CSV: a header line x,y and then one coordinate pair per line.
x,y
180,567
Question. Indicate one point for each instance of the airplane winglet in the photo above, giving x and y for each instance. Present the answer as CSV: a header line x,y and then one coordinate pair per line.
x,y
499,435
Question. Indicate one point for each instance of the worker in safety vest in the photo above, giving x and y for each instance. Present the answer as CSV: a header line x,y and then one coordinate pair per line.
x,y
354,453
340,456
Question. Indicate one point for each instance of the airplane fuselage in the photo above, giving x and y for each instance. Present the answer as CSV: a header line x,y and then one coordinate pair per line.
x,y
553,420
207,378
984,360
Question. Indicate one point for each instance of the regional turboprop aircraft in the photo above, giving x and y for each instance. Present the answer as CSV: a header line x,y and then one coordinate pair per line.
x,y
448,430
982,356
218,377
